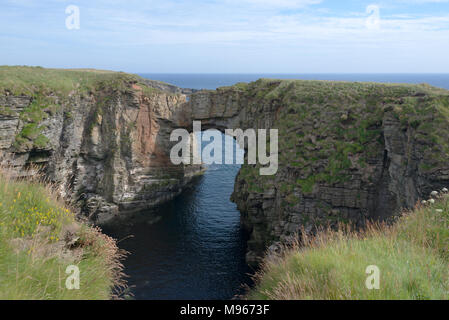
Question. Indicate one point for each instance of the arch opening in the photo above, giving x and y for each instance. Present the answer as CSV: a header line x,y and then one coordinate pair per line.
x,y
194,246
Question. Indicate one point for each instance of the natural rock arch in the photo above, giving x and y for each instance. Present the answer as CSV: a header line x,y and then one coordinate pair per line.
x,y
391,176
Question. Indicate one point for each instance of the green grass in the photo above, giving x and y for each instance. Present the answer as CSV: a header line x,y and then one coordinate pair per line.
x,y
35,232
23,80
412,256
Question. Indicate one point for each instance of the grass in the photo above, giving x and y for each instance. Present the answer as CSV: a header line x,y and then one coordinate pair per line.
x,y
412,256
24,80
40,238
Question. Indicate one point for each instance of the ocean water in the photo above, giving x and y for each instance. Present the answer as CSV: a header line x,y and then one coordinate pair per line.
x,y
213,81
194,247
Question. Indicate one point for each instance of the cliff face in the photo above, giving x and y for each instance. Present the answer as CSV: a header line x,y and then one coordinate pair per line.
x,y
348,151
104,137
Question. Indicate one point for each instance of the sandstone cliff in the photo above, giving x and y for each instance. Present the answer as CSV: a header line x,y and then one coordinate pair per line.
x,y
102,136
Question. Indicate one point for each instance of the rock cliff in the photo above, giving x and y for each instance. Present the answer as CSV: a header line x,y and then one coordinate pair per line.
x,y
349,152
102,136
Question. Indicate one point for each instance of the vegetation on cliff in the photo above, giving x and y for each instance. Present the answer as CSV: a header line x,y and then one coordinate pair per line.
x,y
40,238
348,152
31,81
328,128
411,255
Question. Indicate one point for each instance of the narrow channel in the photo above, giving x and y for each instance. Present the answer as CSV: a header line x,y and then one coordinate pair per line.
x,y
193,248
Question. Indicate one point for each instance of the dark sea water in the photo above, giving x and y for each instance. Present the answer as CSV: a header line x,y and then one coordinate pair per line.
x,y
190,248
194,248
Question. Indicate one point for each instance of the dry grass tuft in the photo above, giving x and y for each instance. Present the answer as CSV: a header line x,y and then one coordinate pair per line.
x,y
412,256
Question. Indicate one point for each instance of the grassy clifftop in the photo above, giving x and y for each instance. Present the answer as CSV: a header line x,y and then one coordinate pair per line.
x,y
35,81
49,91
412,257
40,238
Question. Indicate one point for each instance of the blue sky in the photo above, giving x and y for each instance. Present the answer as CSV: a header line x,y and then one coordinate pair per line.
x,y
229,36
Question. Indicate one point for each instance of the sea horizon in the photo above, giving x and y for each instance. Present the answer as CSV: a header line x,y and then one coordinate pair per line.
x,y
215,80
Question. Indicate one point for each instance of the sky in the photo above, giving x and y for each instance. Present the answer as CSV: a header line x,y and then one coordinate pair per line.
x,y
228,36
